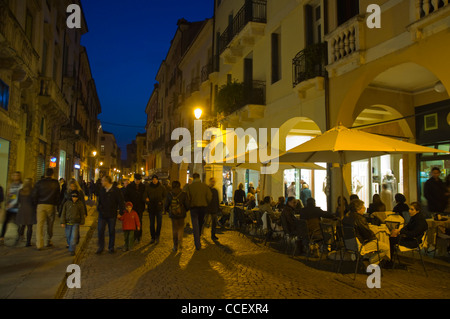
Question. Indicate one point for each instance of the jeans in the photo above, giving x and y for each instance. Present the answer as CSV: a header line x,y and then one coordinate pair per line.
x,y
45,215
102,222
198,218
72,236
155,216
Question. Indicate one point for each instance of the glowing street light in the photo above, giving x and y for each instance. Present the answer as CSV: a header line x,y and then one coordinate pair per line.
x,y
198,113
94,153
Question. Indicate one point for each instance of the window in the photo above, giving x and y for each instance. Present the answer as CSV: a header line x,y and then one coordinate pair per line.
x,y
347,9
276,57
42,127
102,150
4,95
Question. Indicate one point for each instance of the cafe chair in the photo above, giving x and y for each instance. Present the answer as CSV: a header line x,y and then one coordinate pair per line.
x,y
404,249
271,230
391,225
352,245
329,242
306,237
441,237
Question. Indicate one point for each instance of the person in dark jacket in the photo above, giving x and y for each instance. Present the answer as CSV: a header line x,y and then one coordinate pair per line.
x,y
434,191
2,195
413,232
377,205
214,207
155,194
288,219
62,192
401,205
239,195
46,195
110,201
177,205
71,218
134,193
26,217
366,237
312,215
67,196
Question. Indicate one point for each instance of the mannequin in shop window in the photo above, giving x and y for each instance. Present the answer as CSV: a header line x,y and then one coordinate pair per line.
x,y
386,197
391,182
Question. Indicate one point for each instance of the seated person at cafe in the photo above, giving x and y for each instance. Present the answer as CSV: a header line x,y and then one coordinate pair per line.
x,y
415,229
298,206
338,209
377,205
280,204
312,215
355,218
266,207
401,205
251,203
289,221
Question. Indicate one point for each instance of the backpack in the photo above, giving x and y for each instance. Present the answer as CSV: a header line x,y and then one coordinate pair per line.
x,y
175,206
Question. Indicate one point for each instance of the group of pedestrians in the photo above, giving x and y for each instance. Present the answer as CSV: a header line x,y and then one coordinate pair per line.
x,y
28,205
129,203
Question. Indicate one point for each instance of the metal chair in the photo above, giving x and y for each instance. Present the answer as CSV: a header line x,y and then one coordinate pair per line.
x,y
351,245
443,237
270,230
307,237
330,241
392,225
420,246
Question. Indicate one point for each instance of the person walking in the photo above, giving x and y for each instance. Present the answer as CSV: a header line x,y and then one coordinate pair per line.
x,y
155,194
199,198
434,191
67,196
12,203
134,193
26,216
71,218
214,207
110,201
177,205
62,192
130,224
46,195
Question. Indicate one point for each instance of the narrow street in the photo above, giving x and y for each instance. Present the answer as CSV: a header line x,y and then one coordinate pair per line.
x,y
235,268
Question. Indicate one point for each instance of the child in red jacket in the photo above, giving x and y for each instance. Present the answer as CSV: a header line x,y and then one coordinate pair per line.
x,y
130,223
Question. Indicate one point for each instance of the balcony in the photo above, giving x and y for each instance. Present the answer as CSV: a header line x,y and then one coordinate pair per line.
x,y
241,101
248,25
16,49
193,87
52,101
346,46
432,16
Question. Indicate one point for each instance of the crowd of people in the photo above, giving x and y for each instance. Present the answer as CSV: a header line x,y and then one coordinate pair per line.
x,y
28,204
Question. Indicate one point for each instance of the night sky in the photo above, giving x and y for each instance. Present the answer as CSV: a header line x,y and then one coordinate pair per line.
x,y
126,43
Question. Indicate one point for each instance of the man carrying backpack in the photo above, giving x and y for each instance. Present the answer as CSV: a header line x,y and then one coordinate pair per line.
x,y
177,205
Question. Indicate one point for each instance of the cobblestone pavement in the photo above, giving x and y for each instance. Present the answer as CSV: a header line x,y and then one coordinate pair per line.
x,y
236,267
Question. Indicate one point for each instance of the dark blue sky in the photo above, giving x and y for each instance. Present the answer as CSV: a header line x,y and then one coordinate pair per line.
x,y
126,43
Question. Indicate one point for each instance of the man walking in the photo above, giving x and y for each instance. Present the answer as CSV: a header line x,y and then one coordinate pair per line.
x,y
199,197
214,207
134,193
110,200
46,195
434,191
155,195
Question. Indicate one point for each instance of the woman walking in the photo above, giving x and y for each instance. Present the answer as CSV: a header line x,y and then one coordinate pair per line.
x,y
177,206
26,216
12,205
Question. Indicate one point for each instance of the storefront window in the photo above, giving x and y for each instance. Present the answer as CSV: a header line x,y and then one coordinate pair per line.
x,y
4,160
62,164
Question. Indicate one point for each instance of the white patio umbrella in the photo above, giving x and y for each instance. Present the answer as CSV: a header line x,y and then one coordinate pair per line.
x,y
342,145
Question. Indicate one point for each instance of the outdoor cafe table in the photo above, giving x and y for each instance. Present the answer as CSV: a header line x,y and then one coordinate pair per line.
x,y
431,232
382,233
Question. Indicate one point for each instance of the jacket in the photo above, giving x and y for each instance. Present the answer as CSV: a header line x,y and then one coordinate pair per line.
x,y
156,194
73,213
46,191
416,228
434,192
239,196
362,229
288,220
130,220
12,201
199,194
183,200
27,210
68,197
135,193
214,205
110,202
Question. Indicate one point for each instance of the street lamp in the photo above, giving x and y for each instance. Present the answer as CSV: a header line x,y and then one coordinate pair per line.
x,y
94,153
198,113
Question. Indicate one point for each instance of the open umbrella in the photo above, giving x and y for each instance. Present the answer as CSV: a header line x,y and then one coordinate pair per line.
x,y
342,145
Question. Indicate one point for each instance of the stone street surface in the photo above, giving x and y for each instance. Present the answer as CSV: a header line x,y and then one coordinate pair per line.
x,y
236,267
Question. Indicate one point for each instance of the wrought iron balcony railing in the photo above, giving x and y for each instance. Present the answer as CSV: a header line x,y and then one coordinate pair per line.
x,y
310,63
252,11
